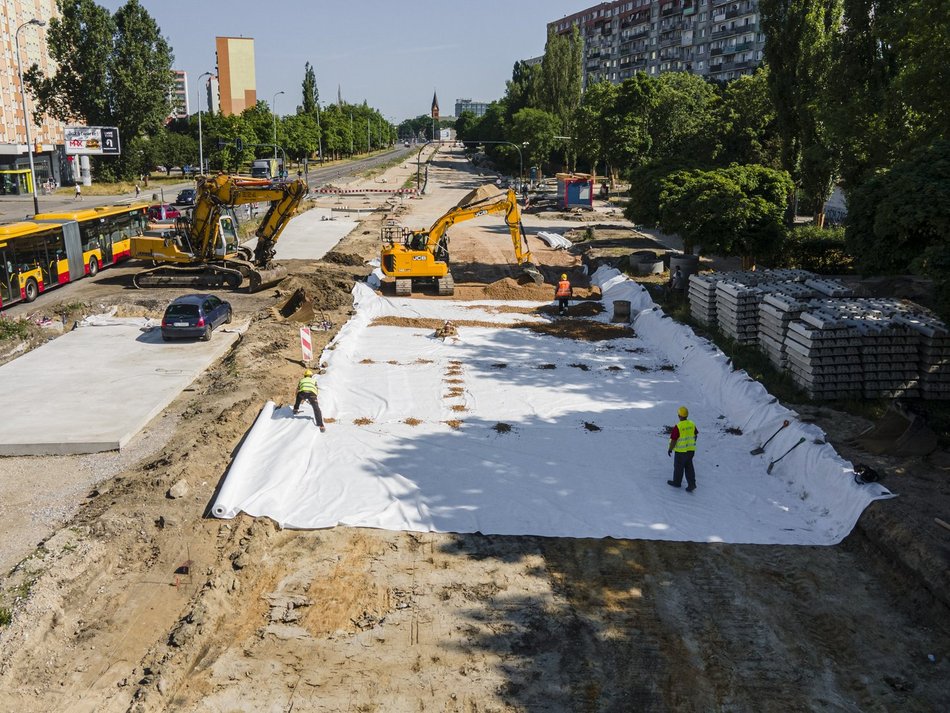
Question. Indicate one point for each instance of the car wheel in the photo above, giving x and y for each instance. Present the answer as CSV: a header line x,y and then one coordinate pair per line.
x,y
32,290
230,315
93,267
206,337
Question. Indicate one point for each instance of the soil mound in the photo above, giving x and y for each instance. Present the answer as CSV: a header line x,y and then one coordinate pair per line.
x,y
343,258
324,289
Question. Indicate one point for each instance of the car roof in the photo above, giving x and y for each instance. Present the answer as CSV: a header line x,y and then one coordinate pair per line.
x,y
191,299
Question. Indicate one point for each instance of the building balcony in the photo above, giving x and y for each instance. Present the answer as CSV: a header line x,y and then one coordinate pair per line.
x,y
716,51
737,30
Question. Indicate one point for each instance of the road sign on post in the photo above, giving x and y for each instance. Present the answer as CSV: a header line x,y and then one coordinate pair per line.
x,y
306,344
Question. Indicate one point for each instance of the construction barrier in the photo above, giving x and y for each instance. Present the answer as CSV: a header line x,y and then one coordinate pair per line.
x,y
357,191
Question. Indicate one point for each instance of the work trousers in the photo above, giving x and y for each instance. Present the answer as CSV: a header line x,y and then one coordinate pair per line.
x,y
684,462
562,304
312,398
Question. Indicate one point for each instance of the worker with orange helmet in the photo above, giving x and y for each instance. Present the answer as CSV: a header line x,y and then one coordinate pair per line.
x,y
307,391
563,294
683,444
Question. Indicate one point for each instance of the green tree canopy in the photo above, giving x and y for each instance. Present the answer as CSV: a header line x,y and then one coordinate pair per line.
x,y
110,71
537,129
311,95
730,211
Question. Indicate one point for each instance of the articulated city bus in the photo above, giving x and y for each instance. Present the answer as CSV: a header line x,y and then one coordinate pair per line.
x,y
56,248
105,232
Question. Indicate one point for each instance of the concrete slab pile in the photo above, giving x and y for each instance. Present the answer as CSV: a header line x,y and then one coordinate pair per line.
x,y
702,288
776,312
933,354
737,306
823,354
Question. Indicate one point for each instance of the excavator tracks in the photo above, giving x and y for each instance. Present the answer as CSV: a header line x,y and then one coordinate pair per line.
x,y
204,276
446,285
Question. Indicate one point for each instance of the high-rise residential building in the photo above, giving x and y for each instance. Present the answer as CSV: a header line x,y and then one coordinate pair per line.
x,y
47,135
237,83
477,108
178,95
718,39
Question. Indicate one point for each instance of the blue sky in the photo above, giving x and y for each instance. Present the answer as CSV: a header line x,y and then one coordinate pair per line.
x,y
392,54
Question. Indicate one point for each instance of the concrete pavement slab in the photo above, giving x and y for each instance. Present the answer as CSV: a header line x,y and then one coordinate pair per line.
x,y
310,235
93,389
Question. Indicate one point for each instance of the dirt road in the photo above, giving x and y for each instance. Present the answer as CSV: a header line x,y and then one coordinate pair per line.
x,y
143,603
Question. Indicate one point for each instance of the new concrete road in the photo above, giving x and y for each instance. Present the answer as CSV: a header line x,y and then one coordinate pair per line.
x,y
16,208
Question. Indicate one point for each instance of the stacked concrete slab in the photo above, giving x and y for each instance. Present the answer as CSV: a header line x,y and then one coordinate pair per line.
x,y
933,354
823,354
776,312
703,294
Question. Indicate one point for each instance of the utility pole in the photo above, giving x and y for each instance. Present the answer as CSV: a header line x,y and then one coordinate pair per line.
x,y
351,133
367,134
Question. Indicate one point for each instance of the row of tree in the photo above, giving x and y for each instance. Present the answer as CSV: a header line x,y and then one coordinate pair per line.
x,y
115,70
851,93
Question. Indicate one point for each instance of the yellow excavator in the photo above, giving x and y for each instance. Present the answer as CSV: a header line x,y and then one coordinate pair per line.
x,y
414,257
204,250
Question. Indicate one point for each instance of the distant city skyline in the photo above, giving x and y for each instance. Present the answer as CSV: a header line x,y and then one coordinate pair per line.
x,y
389,54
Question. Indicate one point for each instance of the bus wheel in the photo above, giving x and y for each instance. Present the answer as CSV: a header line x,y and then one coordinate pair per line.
x,y
93,267
32,290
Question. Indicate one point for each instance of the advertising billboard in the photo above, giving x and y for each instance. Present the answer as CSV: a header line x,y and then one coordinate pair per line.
x,y
92,140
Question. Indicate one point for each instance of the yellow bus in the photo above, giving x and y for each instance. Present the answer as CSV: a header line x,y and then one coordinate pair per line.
x,y
105,232
56,248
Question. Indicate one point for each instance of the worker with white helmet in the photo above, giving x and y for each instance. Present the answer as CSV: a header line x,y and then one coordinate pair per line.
x,y
563,294
307,391
683,444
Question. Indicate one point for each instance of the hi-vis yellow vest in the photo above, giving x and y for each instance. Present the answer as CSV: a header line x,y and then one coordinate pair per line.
x,y
687,439
307,385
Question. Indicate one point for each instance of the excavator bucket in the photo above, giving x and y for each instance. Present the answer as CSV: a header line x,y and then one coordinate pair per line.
x,y
530,274
261,278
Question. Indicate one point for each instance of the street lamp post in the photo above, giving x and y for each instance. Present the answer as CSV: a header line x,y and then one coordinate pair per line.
x,y
201,148
518,148
274,104
319,136
26,115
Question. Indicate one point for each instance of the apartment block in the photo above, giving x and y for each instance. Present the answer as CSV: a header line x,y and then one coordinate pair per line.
x,y
477,108
33,50
718,39
237,82
178,95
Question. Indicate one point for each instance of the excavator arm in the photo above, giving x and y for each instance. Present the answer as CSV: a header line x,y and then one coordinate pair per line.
x,y
485,202
423,254
218,192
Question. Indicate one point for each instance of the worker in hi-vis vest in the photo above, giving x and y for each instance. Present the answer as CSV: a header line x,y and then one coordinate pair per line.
x,y
307,391
563,294
683,444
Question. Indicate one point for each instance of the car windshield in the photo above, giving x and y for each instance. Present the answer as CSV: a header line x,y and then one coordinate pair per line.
x,y
182,311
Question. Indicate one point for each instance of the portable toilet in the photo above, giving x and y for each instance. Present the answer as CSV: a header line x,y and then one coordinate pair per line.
x,y
575,190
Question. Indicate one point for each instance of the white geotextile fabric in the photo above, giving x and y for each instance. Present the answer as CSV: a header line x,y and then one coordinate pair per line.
x,y
586,453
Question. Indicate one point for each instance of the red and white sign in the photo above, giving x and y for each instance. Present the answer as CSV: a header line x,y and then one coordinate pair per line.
x,y
306,344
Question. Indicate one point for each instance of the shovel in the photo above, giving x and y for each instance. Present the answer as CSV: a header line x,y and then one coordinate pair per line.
x,y
800,441
761,449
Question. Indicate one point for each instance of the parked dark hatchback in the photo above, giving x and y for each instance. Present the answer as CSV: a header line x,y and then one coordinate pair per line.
x,y
195,316
186,197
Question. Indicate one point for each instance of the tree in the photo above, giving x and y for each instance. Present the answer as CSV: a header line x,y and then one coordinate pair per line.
x,y
596,124
561,80
522,90
311,95
630,140
798,49
730,211
743,128
299,135
898,215
111,71
80,42
466,125
141,77
679,115
537,129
